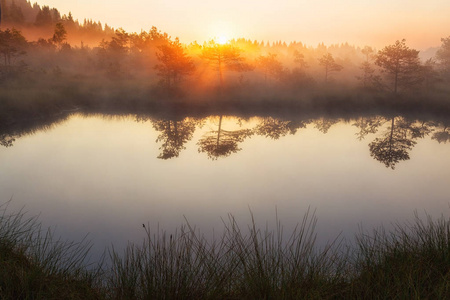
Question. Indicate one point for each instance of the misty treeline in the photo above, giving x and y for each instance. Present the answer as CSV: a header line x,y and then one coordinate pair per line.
x,y
36,21
58,69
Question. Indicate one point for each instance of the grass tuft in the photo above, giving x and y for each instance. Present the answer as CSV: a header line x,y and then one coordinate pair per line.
x,y
410,261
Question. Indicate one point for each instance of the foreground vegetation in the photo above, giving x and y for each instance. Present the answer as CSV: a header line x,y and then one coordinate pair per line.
x,y
411,261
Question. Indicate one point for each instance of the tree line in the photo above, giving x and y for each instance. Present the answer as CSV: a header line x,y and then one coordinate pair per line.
x,y
395,68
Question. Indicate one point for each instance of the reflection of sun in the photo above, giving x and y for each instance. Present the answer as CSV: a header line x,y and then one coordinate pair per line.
x,y
222,40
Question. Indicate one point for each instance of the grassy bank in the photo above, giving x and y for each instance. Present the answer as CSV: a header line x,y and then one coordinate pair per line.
x,y
411,261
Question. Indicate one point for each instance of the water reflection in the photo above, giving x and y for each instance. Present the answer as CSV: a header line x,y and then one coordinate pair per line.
x,y
396,141
174,135
276,128
324,124
222,142
13,130
6,140
442,134
392,137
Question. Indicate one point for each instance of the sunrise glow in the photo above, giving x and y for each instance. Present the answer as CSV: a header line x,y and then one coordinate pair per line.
x,y
222,40
422,23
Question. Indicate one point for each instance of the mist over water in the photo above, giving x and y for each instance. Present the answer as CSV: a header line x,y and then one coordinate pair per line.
x,y
108,175
103,130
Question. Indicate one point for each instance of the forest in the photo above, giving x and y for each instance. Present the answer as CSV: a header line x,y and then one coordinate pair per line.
x,y
50,63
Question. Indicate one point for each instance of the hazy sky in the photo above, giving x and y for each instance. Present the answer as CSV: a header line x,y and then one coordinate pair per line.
x,y
375,22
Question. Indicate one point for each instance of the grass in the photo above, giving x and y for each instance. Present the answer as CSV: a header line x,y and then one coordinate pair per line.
x,y
412,261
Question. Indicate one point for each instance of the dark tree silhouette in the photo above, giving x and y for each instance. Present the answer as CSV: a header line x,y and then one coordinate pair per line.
x,y
174,63
401,65
44,17
119,42
222,143
12,44
174,134
327,61
60,35
275,128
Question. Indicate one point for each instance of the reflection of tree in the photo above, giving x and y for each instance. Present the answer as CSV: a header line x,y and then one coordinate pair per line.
x,y
274,128
13,129
6,140
397,141
222,142
368,125
442,136
324,124
174,134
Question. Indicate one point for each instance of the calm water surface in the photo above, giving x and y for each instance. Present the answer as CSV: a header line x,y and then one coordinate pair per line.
x,y
107,176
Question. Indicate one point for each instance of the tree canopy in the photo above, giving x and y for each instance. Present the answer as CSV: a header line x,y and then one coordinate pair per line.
x,y
401,65
327,61
174,63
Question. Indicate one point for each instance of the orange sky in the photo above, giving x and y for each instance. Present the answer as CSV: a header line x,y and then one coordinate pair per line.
x,y
363,22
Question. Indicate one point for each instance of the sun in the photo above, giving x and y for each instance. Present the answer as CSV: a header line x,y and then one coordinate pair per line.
x,y
222,40
221,32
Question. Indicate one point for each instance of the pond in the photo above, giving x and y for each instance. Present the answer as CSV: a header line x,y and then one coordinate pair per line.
x,y
106,175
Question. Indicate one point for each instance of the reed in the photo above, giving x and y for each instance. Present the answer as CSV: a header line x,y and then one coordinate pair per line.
x,y
410,261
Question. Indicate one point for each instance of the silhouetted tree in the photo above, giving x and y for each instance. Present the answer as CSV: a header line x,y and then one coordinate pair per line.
x,y
119,42
224,57
270,65
44,17
60,35
401,64
327,61
15,14
222,143
12,44
174,63
174,134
